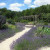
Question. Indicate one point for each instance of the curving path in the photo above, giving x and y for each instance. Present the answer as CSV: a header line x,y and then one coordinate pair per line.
x,y
5,45
44,48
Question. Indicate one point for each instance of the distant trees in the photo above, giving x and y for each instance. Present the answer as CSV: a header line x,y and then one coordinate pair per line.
x,y
10,14
28,12
45,17
42,11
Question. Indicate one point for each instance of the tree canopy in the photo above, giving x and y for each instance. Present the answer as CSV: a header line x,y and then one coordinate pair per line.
x,y
44,9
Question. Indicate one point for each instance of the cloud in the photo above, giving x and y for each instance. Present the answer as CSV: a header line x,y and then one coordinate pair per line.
x,y
41,2
15,6
37,3
32,6
2,4
15,9
27,1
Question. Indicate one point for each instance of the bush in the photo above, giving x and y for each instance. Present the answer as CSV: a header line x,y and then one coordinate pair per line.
x,y
4,26
2,21
40,32
10,21
33,45
24,21
24,45
45,23
48,17
11,26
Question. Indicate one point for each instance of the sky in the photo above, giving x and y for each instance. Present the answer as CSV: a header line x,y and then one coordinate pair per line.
x,y
19,5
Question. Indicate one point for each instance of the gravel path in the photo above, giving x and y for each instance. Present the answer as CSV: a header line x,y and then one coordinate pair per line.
x,y
44,48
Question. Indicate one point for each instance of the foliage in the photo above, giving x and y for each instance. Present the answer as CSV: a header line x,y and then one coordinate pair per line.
x,y
24,21
7,33
30,22
32,45
38,32
22,46
45,17
11,26
43,12
41,32
45,23
10,21
2,21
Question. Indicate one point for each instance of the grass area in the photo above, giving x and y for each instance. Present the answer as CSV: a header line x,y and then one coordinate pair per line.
x,y
10,31
31,22
45,31
11,26
24,21
32,45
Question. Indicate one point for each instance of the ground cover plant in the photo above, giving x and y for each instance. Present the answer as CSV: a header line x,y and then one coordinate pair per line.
x,y
32,42
32,45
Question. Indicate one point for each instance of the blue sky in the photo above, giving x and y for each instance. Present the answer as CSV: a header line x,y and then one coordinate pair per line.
x,y
19,5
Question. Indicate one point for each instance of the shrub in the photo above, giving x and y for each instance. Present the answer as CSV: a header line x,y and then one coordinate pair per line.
x,y
11,26
33,45
10,21
24,45
48,17
45,23
2,21
24,21
40,32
